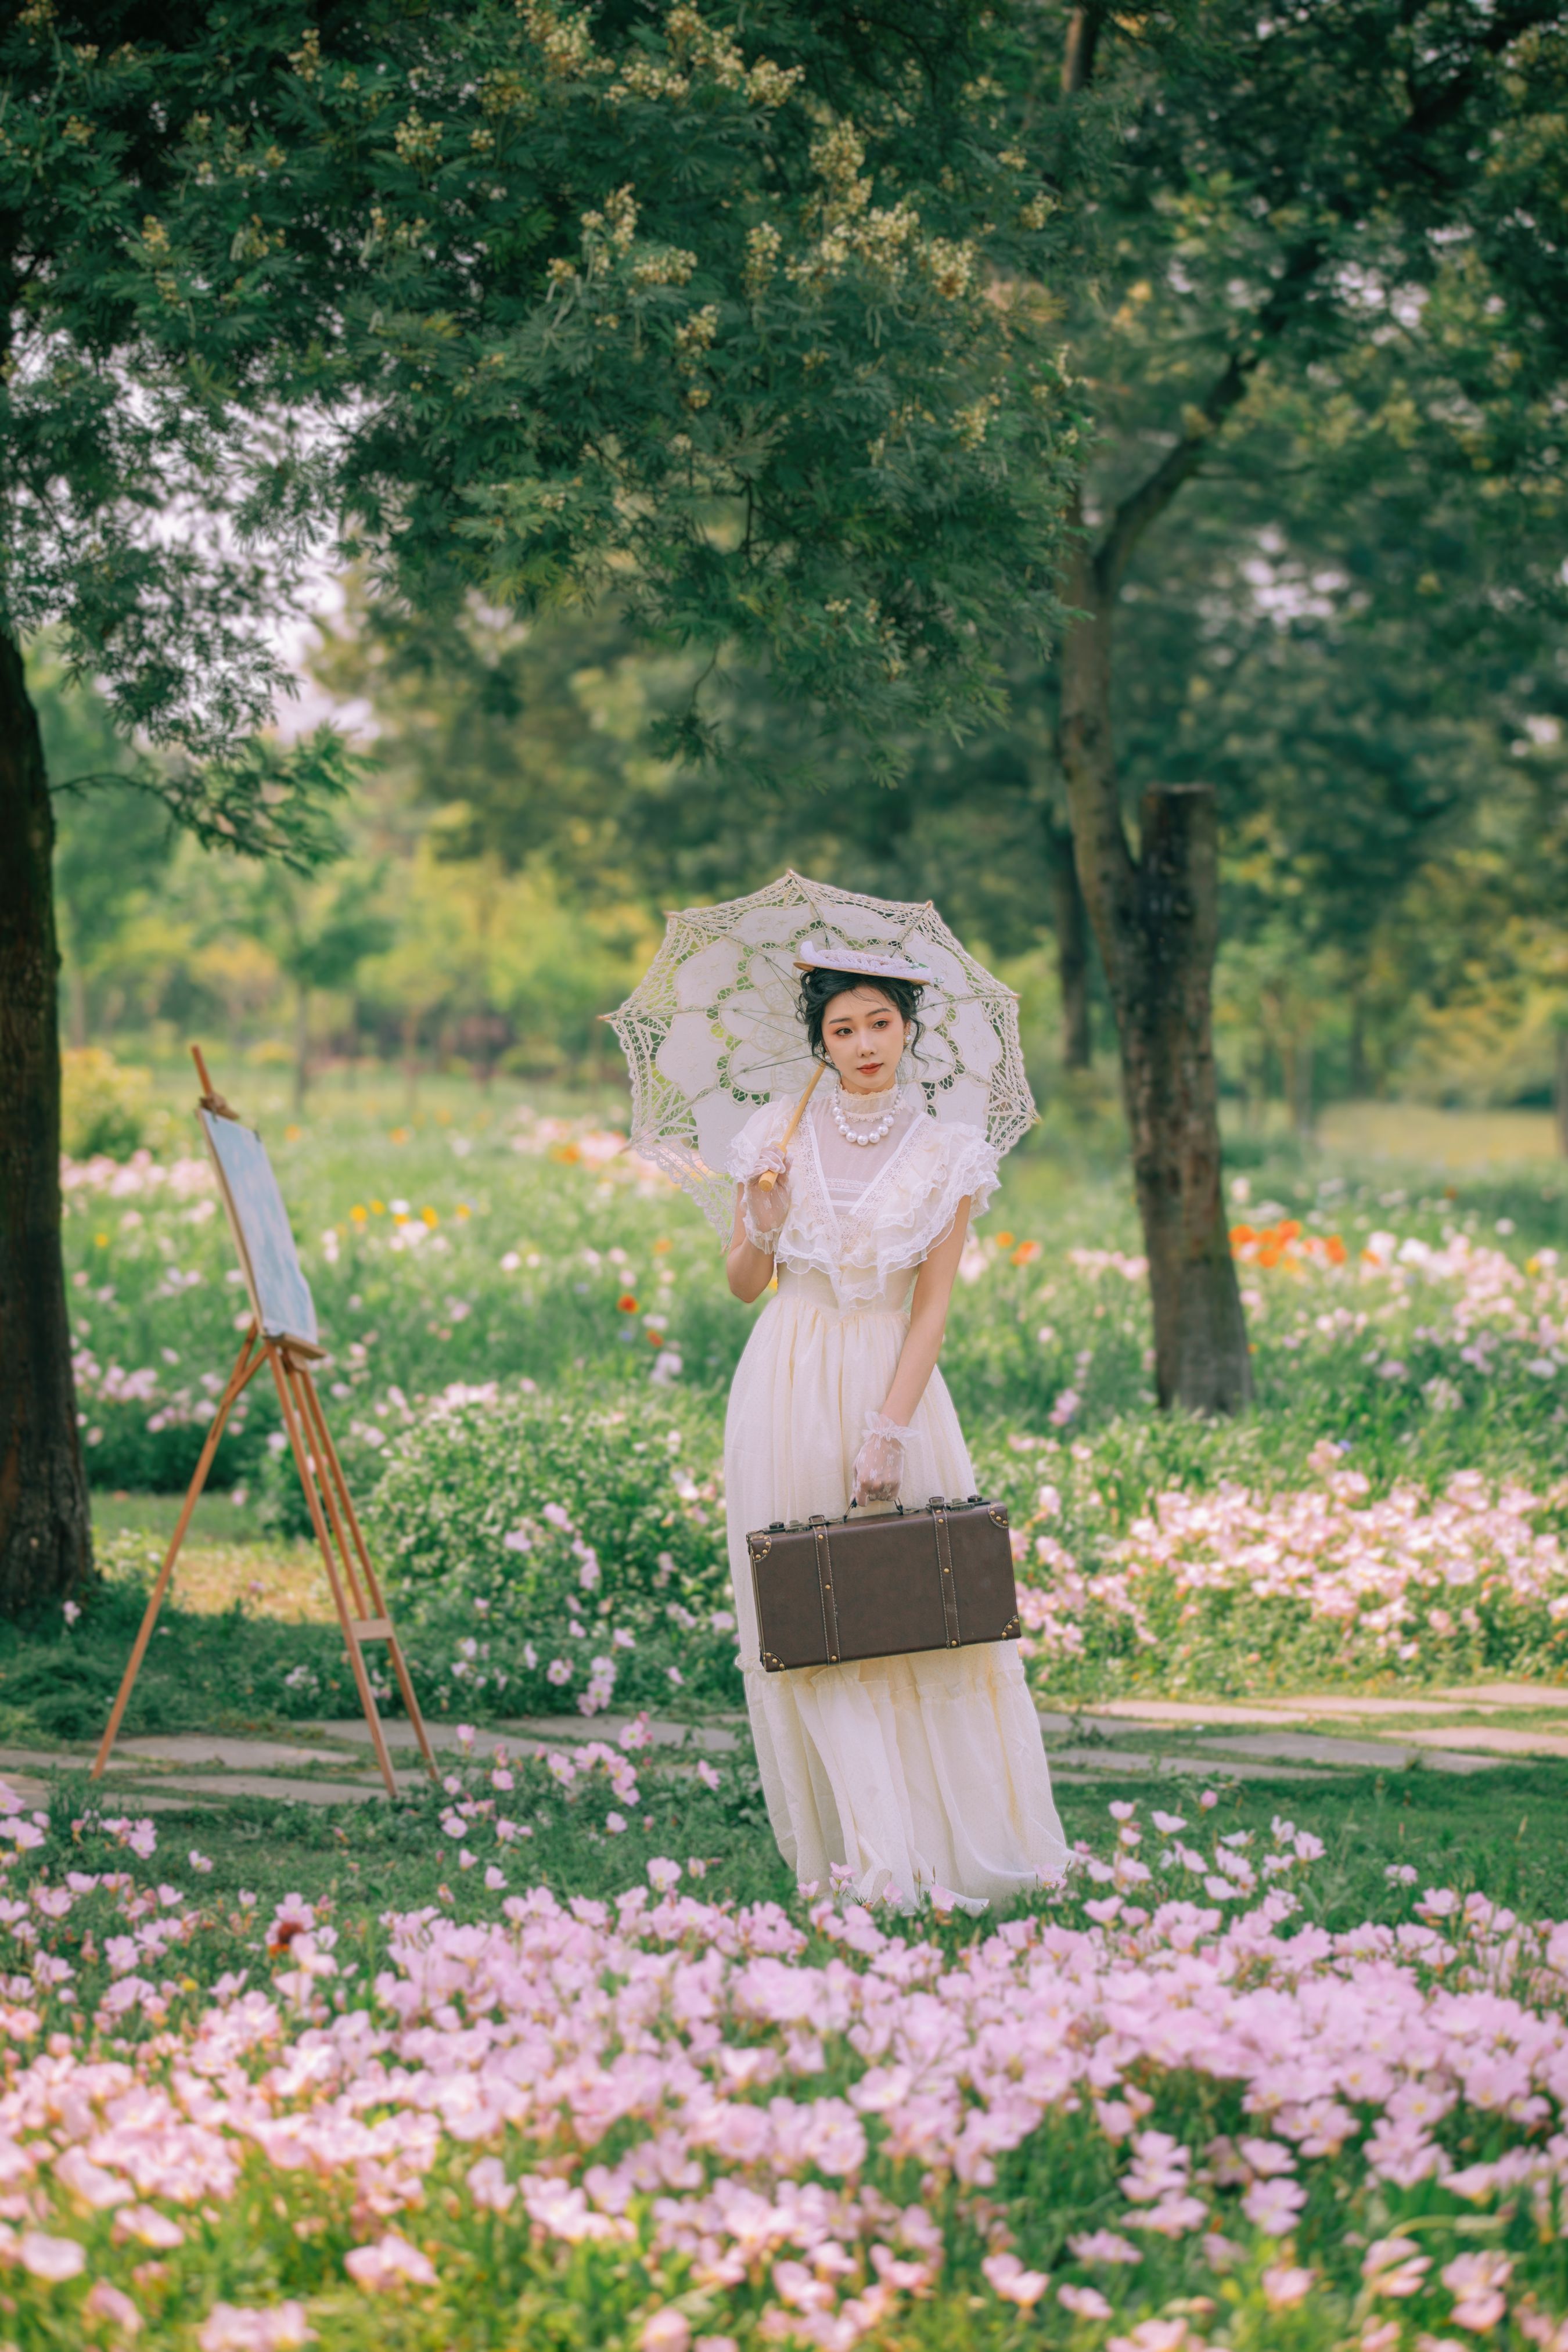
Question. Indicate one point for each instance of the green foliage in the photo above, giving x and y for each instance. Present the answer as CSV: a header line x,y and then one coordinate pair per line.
x,y
104,1107
567,1532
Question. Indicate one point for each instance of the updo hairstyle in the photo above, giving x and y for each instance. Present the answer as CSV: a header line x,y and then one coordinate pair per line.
x,y
818,989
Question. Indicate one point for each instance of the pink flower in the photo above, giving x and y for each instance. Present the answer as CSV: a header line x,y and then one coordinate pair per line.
x,y
1007,2276
392,2259
1084,2302
106,2301
667,2331
495,1879
614,1823
1103,2246
1283,2286
1272,2206
54,2259
234,2327
1478,2281
1394,2266
154,2229
663,1872
489,2186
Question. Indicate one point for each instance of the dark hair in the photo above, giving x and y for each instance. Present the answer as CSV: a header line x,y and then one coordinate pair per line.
x,y
818,989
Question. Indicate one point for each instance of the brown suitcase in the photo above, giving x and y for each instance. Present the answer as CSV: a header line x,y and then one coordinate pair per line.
x,y
879,1584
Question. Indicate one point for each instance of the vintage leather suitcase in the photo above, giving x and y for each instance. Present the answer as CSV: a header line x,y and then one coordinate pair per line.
x,y
877,1584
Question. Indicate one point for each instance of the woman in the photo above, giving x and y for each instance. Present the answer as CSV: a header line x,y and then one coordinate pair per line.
x,y
912,1772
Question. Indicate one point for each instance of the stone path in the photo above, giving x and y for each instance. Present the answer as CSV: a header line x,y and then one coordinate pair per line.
x,y
1297,1737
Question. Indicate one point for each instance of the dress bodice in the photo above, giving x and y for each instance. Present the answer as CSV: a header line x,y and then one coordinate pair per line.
x,y
864,1214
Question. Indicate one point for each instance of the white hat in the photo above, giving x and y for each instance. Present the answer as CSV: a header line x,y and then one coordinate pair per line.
x,y
876,963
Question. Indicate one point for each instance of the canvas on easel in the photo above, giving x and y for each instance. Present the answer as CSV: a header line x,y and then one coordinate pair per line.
x,y
282,1334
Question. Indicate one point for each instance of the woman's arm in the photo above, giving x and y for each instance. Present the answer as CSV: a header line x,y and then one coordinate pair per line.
x,y
747,1269
928,1321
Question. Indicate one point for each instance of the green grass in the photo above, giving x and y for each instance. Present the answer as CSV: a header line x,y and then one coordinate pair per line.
x,y
1498,1832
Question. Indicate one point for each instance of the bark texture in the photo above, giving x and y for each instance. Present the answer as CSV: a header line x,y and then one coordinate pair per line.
x,y
1156,918
1070,920
44,1539
1201,1355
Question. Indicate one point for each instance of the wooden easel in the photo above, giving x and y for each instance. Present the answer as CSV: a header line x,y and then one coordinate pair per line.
x,y
356,1592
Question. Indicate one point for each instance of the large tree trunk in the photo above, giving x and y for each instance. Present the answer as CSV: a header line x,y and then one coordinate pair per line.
x,y
44,1539
1201,1356
1070,920
1156,918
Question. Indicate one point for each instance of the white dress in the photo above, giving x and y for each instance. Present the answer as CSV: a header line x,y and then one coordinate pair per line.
x,y
920,1772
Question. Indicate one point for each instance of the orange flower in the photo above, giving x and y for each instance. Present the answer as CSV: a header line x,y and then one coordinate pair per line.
x,y
663,1244
1336,1249
1003,1240
655,1338
1024,1252
1287,1229
1240,1235
568,1151
627,1303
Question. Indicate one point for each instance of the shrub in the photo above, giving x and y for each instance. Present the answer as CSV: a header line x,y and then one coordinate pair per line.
x,y
543,1553
105,1106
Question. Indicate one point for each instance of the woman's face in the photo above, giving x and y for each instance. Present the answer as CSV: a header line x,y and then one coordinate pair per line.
x,y
864,1035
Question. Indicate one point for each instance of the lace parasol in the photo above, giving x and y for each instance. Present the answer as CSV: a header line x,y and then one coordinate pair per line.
x,y
713,1030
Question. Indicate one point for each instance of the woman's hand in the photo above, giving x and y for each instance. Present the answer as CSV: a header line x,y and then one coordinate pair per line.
x,y
879,1471
765,1211
758,1222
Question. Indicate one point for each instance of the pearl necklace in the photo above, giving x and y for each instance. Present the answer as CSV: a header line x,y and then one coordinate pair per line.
x,y
861,1131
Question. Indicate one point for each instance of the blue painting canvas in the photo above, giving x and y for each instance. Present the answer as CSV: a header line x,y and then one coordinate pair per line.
x,y
279,1292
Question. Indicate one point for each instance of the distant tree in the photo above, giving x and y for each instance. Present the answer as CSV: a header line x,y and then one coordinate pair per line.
x,y
131,395
1313,244
322,932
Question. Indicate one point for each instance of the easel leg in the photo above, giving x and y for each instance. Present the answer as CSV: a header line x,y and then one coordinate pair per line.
x,y
296,1421
246,1363
335,1487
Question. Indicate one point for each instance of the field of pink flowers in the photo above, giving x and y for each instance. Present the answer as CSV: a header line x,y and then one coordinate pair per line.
x,y
1161,2111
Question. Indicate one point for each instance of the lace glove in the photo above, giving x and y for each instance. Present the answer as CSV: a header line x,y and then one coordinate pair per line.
x,y
879,1465
763,1213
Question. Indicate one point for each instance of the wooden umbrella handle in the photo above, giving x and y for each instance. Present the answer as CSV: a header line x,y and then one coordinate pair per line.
x,y
767,1179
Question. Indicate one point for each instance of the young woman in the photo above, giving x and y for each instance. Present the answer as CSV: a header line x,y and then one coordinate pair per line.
x,y
927,1770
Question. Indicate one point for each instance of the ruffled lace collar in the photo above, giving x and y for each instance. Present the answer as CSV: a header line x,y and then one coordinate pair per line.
x,y
907,1207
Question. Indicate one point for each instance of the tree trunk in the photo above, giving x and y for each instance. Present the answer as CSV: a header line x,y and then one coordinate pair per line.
x,y
1359,1087
1156,918
1303,1101
45,1535
1070,921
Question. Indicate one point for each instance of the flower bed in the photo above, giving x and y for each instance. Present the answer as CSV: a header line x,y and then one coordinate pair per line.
x,y
1324,1580
1163,2112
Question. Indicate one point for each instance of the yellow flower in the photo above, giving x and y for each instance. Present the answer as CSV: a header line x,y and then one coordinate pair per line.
x,y
430,1216
357,1212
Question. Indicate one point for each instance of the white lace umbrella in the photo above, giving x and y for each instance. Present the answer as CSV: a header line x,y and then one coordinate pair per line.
x,y
713,1030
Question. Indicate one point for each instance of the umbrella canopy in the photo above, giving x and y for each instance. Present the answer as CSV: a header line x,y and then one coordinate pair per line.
x,y
713,1030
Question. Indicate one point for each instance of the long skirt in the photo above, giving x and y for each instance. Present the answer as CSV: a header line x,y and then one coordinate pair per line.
x,y
911,1773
